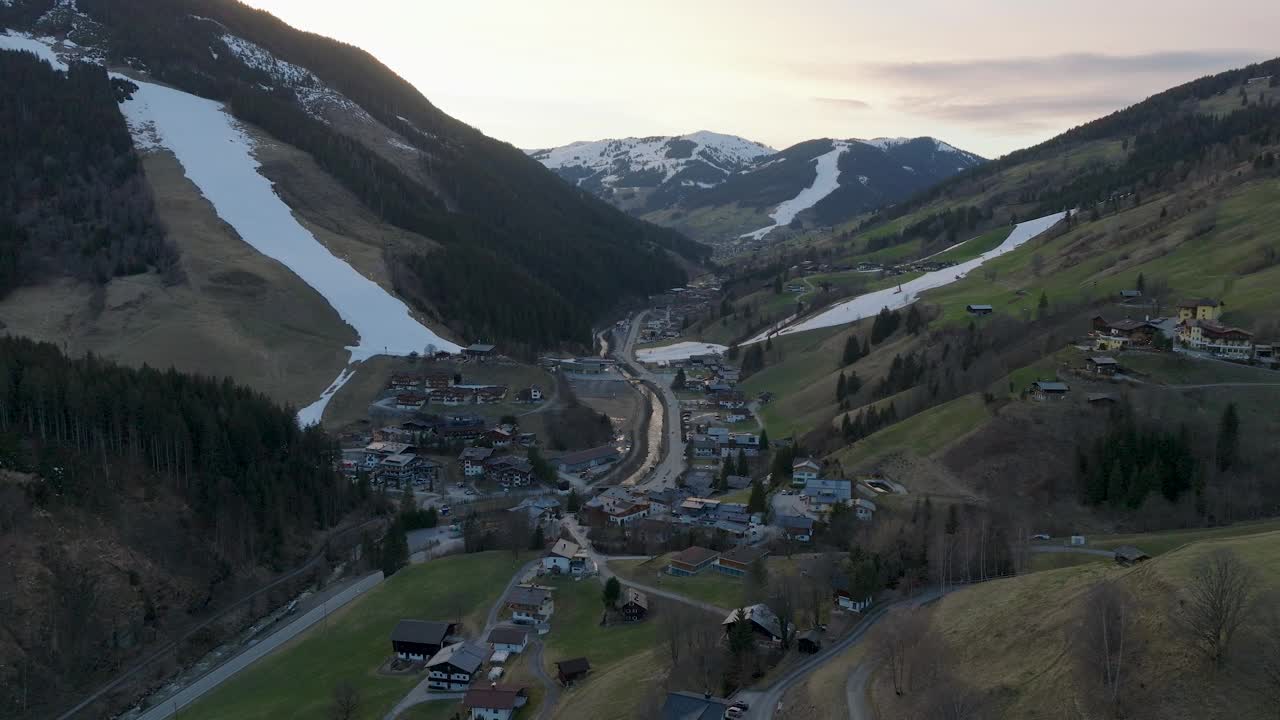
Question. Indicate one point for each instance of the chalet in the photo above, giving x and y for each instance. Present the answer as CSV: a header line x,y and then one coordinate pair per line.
x,y
479,351
730,399
587,459
500,437
1049,390
530,605
863,509
796,527
738,415
746,444
1122,334
703,447
438,381
540,510
410,401
704,359
635,605
1200,309
693,706
825,493
561,556
454,667
691,561
451,396
1217,339
1102,365
508,639
979,309
473,460
737,562
764,622
804,470
842,594
381,449
569,670
418,640
509,470
1130,555
490,394
461,428
494,703
739,482
1101,399
394,433
535,393
405,382
408,468
809,641
1130,294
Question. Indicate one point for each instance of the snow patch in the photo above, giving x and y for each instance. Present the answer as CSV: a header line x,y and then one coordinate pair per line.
x,y
884,143
727,153
313,94
908,168
217,155
41,48
678,351
908,292
826,180
864,179
313,413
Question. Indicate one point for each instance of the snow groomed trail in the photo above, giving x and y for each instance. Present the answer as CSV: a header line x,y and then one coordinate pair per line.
x,y
217,155
825,181
900,296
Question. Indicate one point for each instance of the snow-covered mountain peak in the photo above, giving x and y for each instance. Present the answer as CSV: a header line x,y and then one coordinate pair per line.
x,y
622,162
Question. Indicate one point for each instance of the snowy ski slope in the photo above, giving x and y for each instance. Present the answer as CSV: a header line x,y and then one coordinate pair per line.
x,y
825,181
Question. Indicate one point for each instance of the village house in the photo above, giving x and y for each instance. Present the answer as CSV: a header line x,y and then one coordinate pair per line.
x,y
748,444
405,382
693,706
863,509
501,436
737,562
702,447
809,641
408,468
1049,390
473,459
509,470
796,527
587,459
461,428
494,703
530,605
374,452
418,640
480,351
635,605
764,622
396,433
454,667
541,510
451,396
508,639
1217,339
1129,555
568,671
738,415
1101,399
738,482
825,493
691,561
490,394
1102,365
842,594
410,401
979,309
1123,334
438,381
1200,309
560,557
729,399
1130,294
803,471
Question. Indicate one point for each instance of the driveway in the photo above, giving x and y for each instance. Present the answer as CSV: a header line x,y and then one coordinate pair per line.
x,y
552,696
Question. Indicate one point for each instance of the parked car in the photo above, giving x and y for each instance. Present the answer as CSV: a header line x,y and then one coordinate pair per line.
x,y
1040,536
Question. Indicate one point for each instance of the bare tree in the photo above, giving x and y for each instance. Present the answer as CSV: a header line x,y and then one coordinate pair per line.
x,y
784,601
346,701
1263,671
518,531
819,577
676,621
1104,643
900,635
950,698
1219,598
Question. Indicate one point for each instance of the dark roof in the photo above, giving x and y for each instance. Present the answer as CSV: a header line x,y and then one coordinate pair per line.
x,y
421,631
1051,386
1129,324
583,456
1101,397
507,636
461,656
493,698
1199,302
744,554
1103,360
480,347
978,307
1130,553
692,706
632,595
813,636
695,555
573,666
527,596
796,521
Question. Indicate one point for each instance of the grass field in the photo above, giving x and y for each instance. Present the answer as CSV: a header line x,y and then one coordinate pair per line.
x,y
297,681
1176,369
436,710
709,586
1159,543
921,434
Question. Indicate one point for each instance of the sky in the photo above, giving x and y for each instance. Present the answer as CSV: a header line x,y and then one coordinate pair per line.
x,y
989,76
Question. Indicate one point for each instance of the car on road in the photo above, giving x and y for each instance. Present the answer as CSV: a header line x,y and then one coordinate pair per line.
x,y
740,705
1040,536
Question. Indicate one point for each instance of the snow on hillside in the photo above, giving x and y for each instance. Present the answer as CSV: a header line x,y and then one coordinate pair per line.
x,y
314,95
908,292
678,351
826,180
217,155
727,152
39,48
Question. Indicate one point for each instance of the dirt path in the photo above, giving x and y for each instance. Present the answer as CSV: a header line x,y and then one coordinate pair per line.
x,y
855,692
552,697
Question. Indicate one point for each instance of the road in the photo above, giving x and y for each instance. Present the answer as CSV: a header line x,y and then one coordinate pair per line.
x,y
855,692
218,675
552,696
668,470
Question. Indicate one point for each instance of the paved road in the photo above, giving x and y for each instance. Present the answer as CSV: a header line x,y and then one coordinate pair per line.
x,y
217,676
552,696
420,693
855,692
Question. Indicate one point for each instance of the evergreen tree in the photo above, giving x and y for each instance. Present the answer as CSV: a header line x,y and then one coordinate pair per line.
x,y
852,351
915,321
953,521
1228,449
612,591
756,503
777,285
1141,284
395,549
574,502
764,440
679,381
744,468
722,482
840,388
1042,307
852,384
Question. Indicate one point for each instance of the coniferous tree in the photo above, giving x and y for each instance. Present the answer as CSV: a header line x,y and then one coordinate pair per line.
x,y
1228,447
756,502
840,388
744,468
679,382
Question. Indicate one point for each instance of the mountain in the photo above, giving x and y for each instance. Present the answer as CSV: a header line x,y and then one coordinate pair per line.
x,y
678,180
472,234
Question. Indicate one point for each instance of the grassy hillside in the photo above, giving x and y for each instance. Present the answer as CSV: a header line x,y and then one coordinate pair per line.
x,y
1013,639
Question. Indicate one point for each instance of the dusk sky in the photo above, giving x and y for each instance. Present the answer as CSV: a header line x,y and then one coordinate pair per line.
x,y
989,76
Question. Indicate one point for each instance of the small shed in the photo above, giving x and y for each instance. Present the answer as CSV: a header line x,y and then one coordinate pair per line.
x,y
1102,365
809,641
1049,390
1129,555
979,309
569,670
635,605
1102,399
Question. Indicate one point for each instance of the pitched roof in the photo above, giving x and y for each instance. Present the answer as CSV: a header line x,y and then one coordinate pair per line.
x,y
632,595
574,666
460,655
761,615
596,453
507,636
529,596
695,555
1103,360
796,522
1198,302
421,631
745,554
495,698
1051,386
806,463
564,548
692,706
